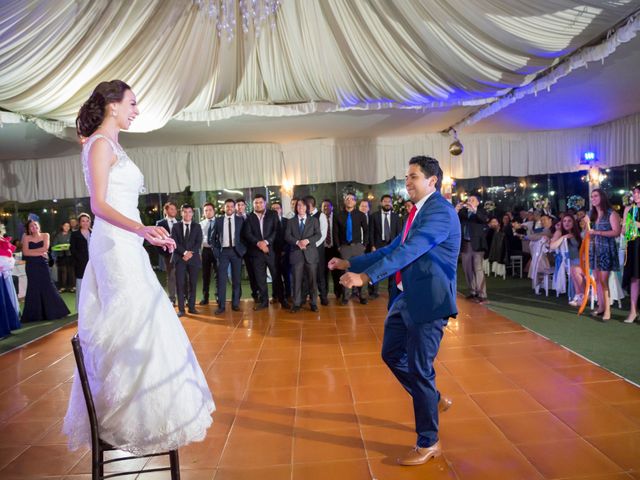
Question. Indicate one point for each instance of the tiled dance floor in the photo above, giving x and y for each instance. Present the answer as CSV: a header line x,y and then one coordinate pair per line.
x,y
308,397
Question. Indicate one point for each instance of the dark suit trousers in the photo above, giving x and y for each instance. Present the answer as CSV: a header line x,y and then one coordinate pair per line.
x,y
346,252
284,268
329,253
307,272
409,349
186,278
209,266
320,277
255,291
229,256
260,264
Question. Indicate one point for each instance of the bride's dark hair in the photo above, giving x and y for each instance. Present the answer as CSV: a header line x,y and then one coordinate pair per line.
x,y
92,112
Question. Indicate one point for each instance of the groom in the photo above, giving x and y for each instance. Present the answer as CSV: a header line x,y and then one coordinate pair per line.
x,y
422,260
186,257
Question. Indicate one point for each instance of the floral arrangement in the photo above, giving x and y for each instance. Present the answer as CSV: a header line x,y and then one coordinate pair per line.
x,y
398,204
489,206
627,199
575,202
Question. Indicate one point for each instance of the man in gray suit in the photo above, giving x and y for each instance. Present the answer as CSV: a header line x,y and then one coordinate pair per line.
x,y
302,233
186,257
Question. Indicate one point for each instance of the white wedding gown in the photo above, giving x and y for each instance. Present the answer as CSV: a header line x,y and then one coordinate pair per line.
x,y
149,391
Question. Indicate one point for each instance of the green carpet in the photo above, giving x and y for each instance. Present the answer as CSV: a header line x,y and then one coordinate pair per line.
x,y
613,345
32,330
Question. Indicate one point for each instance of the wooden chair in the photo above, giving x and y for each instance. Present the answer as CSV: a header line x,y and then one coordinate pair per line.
x,y
99,446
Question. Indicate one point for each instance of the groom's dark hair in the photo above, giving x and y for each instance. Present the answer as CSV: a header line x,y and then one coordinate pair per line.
x,y
430,167
185,206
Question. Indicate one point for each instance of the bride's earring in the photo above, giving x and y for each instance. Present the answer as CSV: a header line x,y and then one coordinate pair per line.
x,y
114,113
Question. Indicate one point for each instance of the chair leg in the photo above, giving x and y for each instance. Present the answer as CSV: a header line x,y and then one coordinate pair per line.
x,y
97,464
175,465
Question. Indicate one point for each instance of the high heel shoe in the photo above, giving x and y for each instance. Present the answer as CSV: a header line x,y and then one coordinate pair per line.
x,y
630,319
596,314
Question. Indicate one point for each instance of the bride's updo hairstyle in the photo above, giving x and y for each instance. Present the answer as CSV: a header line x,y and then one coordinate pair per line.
x,y
93,111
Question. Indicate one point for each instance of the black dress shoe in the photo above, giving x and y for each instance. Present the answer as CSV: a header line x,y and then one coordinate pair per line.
x,y
314,307
344,301
193,311
324,301
364,301
219,311
294,309
235,308
204,301
260,306
285,304
181,314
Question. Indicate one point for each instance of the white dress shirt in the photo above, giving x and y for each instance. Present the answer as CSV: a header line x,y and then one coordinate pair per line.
x,y
324,227
226,241
204,224
171,221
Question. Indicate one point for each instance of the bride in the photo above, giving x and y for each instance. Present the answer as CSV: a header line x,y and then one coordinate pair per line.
x,y
149,391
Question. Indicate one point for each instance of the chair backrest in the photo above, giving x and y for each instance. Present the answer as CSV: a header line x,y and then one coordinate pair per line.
x,y
86,390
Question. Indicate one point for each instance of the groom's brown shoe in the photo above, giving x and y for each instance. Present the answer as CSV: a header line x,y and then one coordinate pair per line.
x,y
418,456
444,404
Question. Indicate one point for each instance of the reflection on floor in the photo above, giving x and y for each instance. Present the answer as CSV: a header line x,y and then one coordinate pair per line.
x,y
307,396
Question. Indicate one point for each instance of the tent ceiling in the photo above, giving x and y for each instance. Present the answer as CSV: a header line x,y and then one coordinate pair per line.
x,y
611,89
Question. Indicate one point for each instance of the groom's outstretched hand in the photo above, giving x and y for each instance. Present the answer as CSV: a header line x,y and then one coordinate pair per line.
x,y
350,279
338,264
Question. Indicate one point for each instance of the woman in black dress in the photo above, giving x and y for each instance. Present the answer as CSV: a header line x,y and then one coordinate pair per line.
x,y
64,262
42,302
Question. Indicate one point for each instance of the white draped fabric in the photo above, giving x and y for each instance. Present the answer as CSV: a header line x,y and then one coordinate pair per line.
x,y
321,54
368,161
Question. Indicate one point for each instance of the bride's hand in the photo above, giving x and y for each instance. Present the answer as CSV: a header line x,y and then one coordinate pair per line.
x,y
157,236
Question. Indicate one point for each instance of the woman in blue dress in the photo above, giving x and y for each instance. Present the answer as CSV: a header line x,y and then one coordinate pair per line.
x,y
603,252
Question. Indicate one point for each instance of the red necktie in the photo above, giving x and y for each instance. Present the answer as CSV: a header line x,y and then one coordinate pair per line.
x,y
412,214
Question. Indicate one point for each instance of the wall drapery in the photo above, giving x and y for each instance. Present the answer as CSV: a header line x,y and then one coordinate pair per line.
x,y
368,161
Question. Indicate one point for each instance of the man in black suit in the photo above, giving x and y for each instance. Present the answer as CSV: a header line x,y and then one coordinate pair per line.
x,y
385,226
186,257
310,200
229,248
473,221
209,261
259,234
282,251
168,222
350,234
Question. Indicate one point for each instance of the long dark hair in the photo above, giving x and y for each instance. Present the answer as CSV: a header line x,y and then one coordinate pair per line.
x,y
605,205
93,111
575,230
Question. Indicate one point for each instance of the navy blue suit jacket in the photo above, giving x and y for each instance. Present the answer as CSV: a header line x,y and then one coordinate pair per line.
x,y
217,236
428,260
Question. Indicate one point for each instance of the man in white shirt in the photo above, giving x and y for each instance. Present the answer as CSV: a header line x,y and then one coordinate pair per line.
x,y
169,220
209,263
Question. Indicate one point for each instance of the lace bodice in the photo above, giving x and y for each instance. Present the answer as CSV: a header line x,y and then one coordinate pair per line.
x,y
125,182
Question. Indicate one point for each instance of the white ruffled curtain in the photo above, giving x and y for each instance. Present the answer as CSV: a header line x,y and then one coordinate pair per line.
x,y
322,55
368,161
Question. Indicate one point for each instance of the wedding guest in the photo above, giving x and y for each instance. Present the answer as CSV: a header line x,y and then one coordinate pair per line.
x,y
282,250
473,221
569,231
259,233
209,261
42,302
241,211
80,250
73,221
350,231
292,206
9,309
631,277
229,248
310,200
168,222
302,234
603,253
186,258
330,249
60,247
